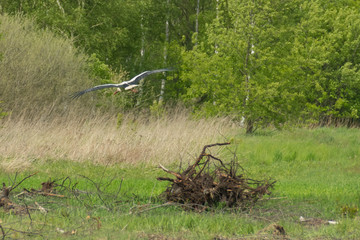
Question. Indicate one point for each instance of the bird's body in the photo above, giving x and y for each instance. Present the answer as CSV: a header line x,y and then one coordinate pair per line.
x,y
126,85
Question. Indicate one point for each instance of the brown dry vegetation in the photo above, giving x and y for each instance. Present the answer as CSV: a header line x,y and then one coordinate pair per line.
x,y
100,139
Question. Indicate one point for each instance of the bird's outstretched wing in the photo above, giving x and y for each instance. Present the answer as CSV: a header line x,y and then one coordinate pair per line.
x,y
137,78
134,81
78,94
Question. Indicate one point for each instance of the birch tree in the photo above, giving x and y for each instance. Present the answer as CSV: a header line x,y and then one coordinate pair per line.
x,y
162,89
242,73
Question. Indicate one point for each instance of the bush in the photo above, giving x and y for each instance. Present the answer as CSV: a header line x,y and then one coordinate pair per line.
x,y
38,70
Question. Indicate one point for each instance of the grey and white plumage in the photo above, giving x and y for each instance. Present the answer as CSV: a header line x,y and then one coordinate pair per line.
x,y
126,85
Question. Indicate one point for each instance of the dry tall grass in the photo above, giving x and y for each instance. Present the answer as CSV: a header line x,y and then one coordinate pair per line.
x,y
102,140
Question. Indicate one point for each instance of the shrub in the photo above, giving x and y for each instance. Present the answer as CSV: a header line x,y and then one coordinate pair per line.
x,y
38,70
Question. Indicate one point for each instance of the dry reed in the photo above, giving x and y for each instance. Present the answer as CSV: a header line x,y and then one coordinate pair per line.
x,y
102,139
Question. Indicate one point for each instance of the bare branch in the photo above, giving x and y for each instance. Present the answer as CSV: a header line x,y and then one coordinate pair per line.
x,y
171,172
3,232
119,188
12,188
158,206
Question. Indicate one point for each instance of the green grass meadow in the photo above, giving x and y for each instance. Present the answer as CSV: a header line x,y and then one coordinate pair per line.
x,y
317,173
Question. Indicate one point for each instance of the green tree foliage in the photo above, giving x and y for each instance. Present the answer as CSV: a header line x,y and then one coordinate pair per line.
x,y
100,27
273,62
114,30
261,62
239,69
326,53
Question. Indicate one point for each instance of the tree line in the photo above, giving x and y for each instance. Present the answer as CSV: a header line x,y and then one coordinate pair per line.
x,y
260,62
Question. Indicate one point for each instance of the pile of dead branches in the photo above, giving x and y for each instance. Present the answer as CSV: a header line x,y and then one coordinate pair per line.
x,y
210,181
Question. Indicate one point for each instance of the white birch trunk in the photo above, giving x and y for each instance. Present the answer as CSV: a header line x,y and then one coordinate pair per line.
x,y
217,18
197,22
162,89
142,55
250,51
216,46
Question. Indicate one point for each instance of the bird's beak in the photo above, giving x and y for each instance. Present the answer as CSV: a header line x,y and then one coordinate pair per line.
x,y
117,91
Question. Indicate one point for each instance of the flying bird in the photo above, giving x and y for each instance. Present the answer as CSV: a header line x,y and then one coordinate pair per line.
x,y
127,85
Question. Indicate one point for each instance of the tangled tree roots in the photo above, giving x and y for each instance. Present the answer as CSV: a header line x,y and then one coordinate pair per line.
x,y
209,182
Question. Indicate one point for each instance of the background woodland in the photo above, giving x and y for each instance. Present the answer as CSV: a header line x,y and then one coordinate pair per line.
x,y
258,62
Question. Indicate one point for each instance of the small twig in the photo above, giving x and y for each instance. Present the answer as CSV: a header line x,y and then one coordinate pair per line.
x,y
24,232
180,165
105,186
75,191
99,192
206,147
103,173
94,183
171,172
158,206
97,25
207,161
12,188
117,194
28,212
43,210
217,159
49,194
165,179
124,227
63,182
3,232
73,187
13,182
202,154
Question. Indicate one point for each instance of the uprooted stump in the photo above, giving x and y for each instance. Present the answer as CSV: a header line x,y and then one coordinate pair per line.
x,y
210,181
